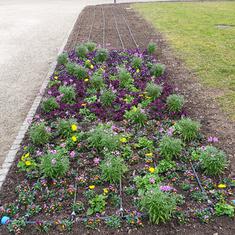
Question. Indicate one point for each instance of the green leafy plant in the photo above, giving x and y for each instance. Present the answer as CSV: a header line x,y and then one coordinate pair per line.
x,y
97,204
80,72
145,143
159,205
199,196
136,62
213,161
56,164
222,208
63,58
102,137
68,93
39,134
49,105
17,225
101,55
175,102
187,129
157,70
97,81
170,147
113,168
126,81
136,115
87,114
70,67
64,127
90,46
107,97
151,48
153,90
78,207
81,51
165,166
113,221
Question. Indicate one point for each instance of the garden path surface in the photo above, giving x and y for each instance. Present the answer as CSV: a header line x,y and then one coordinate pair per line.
x,y
31,34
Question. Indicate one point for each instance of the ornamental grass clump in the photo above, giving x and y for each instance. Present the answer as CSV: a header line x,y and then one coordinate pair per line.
x,y
107,97
81,51
68,94
80,72
175,103
97,81
213,161
157,70
159,205
136,115
70,67
62,58
101,55
113,168
136,62
55,163
49,105
153,90
39,134
151,48
170,147
187,129
91,46
65,128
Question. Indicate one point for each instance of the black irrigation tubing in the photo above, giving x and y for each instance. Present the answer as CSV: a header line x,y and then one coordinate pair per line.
x,y
129,29
103,26
92,25
116,26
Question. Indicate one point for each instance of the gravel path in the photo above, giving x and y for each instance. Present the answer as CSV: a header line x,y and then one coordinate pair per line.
x,y
31,34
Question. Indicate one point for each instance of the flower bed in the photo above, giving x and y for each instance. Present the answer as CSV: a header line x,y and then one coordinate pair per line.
x,y
111,146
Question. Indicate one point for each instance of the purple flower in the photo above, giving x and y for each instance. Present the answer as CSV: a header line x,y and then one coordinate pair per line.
x,y
166,188
212,139
53,161
170,131
151,180
72,154
96,160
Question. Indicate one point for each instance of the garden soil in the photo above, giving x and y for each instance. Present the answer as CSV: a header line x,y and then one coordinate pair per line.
x,y
200,105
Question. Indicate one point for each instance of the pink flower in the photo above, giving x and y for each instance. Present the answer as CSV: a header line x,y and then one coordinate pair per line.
x,y
166,188
212,139
72,154
53,161
151,180
96,160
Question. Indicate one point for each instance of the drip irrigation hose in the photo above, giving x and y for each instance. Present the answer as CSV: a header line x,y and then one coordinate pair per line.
x,y
103,27
73,214
121,202
92,25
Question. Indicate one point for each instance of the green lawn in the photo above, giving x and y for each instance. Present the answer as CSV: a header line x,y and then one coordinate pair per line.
x,y
207,50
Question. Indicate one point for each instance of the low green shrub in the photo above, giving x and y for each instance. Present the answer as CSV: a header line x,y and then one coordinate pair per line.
x,y
101,55
136,116
213,161
70,67
62,58
187,129
113,168
151,48
80,72
125,78
90,46
170,147
136,62
56,164
175,102
157,70
68,93
64,127
97,204
97,81
81,51
39,134
49,105
165,165
159,205
222,208
107,97
153,90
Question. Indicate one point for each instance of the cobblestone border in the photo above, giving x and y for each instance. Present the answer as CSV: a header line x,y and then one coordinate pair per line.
x,y
10,157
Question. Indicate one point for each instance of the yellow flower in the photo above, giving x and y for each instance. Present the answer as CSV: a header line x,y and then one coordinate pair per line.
x,y
83,104
88,61
28,163
91,66
105,190
86,79
151,169
141,95
74,138
74,127
123,140
149,154
147,97
91,186
26,155
137,70
221,186
56,77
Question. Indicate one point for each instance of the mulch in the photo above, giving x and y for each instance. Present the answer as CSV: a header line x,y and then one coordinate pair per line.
x,y
97,23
